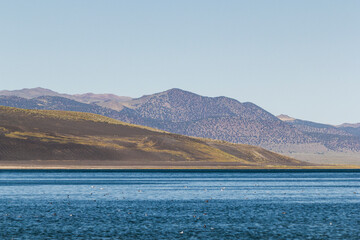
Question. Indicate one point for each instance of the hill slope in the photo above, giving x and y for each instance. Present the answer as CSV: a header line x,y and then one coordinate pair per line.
x,y
40,138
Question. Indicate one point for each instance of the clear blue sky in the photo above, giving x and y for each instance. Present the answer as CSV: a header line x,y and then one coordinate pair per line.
x,y
301,58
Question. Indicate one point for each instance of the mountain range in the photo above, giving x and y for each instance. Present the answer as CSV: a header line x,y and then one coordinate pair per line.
x,y
219,118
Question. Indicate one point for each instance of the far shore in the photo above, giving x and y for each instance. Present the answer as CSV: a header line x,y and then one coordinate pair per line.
x,y
129,165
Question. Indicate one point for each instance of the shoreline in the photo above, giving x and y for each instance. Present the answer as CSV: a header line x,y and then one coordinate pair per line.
x,y
137,164
332,167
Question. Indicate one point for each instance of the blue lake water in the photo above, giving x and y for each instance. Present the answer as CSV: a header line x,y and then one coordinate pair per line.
x,y
179,204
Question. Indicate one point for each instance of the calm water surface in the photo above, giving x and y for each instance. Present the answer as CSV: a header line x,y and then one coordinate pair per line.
x,y
179,205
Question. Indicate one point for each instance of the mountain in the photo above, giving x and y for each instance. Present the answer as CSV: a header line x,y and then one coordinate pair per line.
x,y
335,144
220,118
104,100
285,118
227,119
56,103
332,137
349,125
38,138
352,128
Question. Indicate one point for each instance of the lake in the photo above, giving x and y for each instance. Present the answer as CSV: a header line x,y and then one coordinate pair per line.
x,y
174,204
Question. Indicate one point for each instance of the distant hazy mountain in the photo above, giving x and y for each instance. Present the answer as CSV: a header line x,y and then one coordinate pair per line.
x,y
101,99
332,137
353,129
351,125
56,103
219,118
31,93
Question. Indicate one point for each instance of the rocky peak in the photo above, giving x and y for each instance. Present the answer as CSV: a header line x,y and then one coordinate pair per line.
x,y
285,118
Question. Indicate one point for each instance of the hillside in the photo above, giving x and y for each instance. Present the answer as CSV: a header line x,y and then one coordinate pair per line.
x,y
38,138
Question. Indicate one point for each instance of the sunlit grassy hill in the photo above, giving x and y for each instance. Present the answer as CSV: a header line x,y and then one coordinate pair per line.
x,y
35,138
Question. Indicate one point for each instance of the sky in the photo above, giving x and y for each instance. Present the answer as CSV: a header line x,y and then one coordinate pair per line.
x,y
300,58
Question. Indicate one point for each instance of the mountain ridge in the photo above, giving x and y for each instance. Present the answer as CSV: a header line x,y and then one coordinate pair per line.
x,y
30,93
